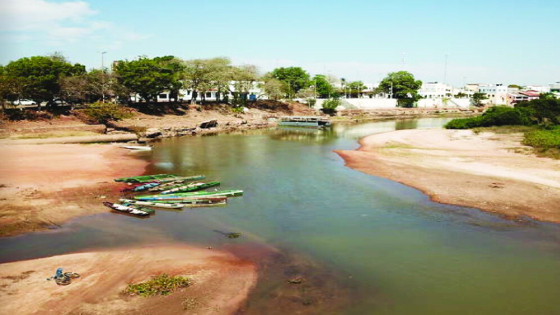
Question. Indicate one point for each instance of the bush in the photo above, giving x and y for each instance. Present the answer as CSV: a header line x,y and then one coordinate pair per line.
x,y
543,138
330,105
104,112
159,285
494,116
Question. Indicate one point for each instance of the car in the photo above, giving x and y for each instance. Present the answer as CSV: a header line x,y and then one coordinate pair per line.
x,y
24,102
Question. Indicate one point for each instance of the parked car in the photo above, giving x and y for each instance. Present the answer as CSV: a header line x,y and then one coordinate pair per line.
x,y
24,102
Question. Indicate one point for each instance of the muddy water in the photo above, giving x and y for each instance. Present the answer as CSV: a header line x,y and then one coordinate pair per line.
x,y
380,246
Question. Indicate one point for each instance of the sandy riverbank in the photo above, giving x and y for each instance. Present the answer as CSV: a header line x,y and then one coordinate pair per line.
x,y
45,185
488,171
221,282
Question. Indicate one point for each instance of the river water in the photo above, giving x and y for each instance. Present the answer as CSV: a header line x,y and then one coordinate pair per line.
x,y
403,253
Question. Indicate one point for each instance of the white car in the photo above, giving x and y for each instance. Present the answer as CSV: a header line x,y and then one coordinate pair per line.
x,y
24,102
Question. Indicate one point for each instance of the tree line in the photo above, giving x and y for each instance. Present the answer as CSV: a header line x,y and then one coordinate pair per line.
x,y
52,79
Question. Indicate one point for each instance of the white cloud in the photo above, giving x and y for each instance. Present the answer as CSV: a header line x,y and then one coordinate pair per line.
x,y
19,15
58,24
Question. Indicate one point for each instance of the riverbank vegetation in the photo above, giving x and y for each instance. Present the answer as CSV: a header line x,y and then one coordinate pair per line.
x,y
53,82
540,117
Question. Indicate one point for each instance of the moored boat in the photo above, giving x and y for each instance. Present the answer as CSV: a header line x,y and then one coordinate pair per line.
x,y
125,209
146,186
190,187
179,196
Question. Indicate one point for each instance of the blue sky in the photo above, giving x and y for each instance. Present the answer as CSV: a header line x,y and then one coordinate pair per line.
x,y
484,41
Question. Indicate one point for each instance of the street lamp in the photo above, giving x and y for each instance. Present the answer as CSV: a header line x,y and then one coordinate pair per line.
x,y
102,77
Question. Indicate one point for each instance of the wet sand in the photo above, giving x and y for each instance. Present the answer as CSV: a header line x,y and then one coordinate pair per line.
x,y
488,171
220,282
45,185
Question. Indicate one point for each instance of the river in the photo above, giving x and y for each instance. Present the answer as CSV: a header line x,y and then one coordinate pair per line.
x,y
398,251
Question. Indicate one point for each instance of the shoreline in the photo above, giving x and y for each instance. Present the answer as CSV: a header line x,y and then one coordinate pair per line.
x,y
461,168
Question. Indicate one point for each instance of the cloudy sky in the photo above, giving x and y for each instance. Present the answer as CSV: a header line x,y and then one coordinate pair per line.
x,y
482,41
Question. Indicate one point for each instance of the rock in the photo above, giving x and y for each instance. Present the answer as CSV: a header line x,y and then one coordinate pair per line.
x,y
209,124
243,122
296,280
152,133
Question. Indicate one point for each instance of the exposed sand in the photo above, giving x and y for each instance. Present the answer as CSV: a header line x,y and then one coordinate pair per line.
x,y
42,185
484,171
221,282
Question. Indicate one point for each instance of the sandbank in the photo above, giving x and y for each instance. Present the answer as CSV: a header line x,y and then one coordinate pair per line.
x,y
488,171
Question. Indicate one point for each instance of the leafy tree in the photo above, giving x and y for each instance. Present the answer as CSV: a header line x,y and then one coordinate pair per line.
x,y
404,87
295,78
477,99
324,87
149,77
243,79
515,86
355,88
38,77
201,75
273,88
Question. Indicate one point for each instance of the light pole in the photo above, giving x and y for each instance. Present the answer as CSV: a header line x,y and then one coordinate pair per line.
x,y
102,77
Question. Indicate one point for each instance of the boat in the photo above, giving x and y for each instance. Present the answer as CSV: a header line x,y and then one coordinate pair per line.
x,y
152,204
178,204
190,187
125,209
190,195
137,147
304,121
180,181
161,178
146,186
139,207
145,178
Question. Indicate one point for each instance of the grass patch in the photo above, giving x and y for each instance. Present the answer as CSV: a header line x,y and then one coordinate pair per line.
x,y
159,285
546,142
502,130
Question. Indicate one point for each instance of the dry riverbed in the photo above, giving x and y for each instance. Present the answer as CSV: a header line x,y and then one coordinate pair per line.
x,y
220,282
488,171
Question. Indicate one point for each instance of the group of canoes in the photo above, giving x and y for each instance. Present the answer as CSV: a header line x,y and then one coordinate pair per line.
x,y
175,192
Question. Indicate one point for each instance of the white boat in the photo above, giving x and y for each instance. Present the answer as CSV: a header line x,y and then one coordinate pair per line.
x,y
137,147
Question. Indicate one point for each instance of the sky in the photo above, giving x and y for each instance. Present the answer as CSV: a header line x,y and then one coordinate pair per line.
x,y
457,42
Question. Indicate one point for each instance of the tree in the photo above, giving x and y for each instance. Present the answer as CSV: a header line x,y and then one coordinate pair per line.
x,y
402,86
202,75
355,88
149,77
477,99
295,78
323,87
273,88
243,79
329,106
38,77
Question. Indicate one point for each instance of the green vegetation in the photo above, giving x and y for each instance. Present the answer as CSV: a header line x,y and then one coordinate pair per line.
x,y
159,285
323,86
402,86
149,77
36,78
294,79
104,112
329,106
542,114
477,99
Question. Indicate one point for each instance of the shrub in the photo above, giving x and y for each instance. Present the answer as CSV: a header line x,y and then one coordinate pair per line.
x,y
330,105
104,112
159,285
543,138
494,116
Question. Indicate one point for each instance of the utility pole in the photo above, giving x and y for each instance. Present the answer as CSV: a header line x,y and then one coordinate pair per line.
x,y
102,77
445,71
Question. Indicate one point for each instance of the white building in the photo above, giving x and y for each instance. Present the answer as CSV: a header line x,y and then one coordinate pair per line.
x,y
186,95
435,90
496,93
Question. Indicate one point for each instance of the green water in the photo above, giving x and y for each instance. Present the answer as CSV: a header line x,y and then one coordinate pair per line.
x,y
402,253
